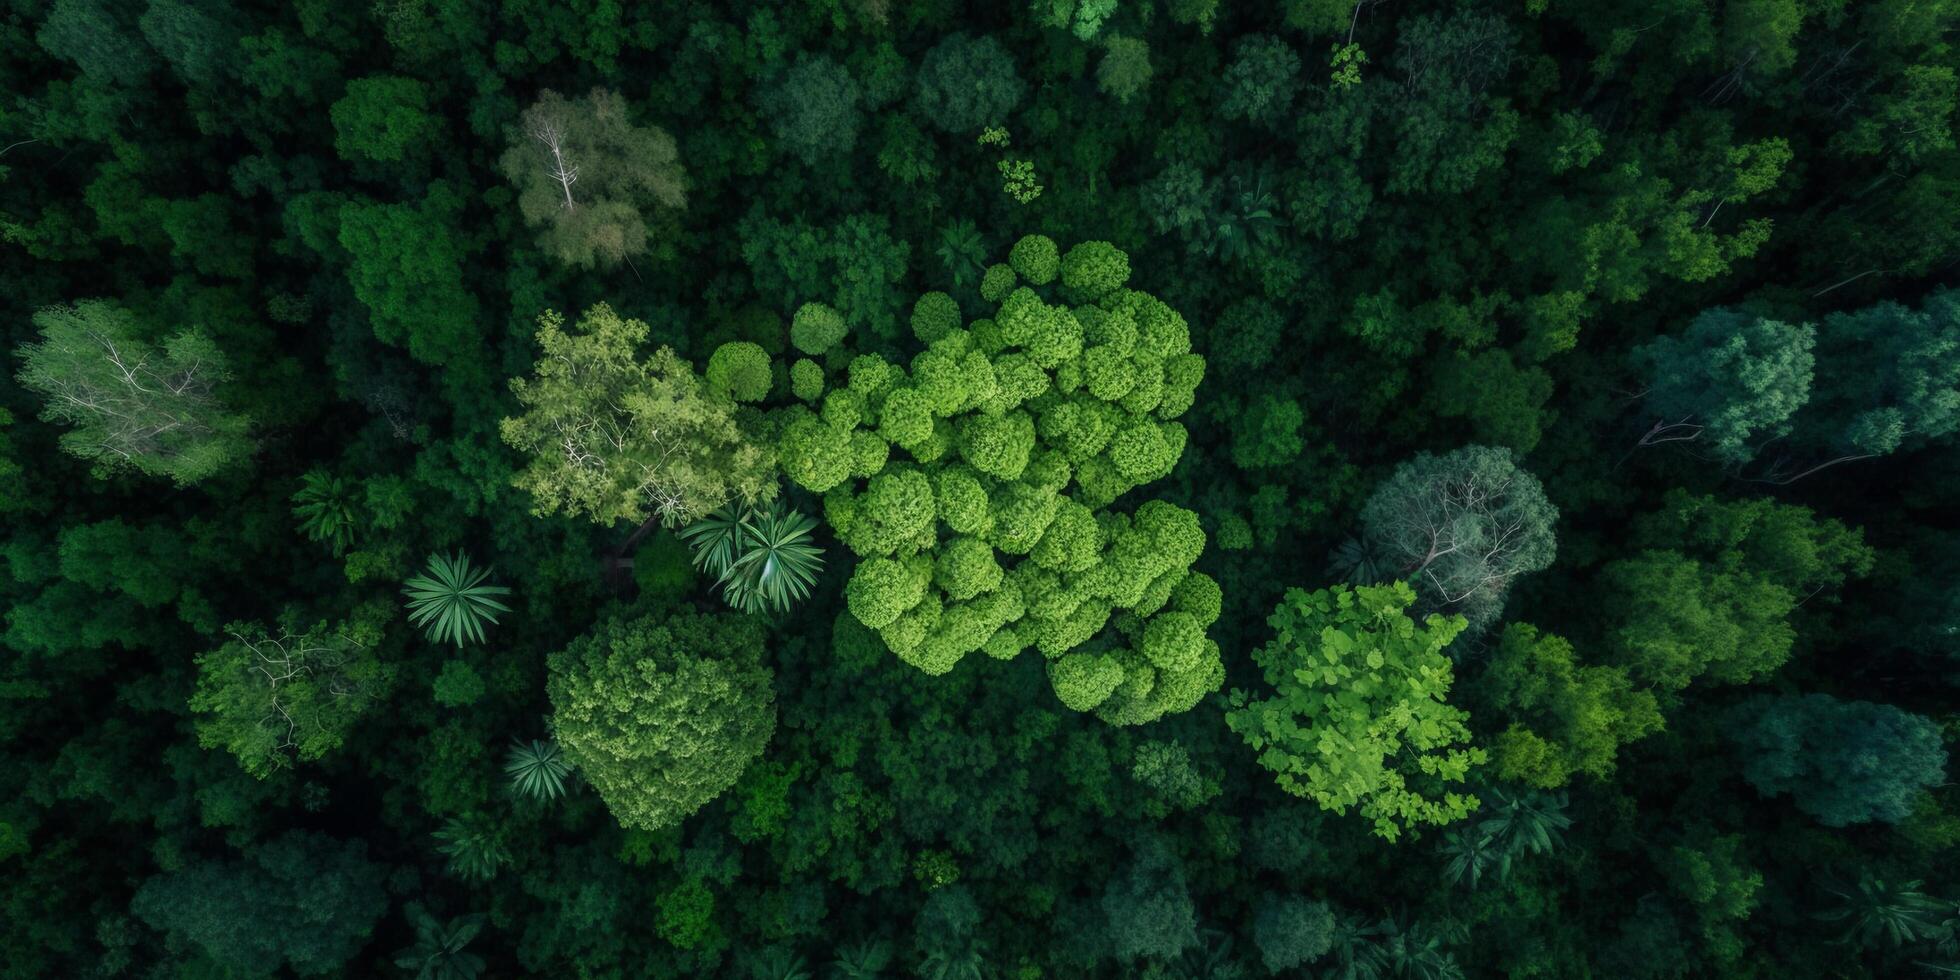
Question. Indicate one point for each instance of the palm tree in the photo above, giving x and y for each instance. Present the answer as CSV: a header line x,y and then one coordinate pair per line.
x,y
326,510
537,769
438,953
776,963
1528,823
451,601
762,558
867,960
474,846
1901,913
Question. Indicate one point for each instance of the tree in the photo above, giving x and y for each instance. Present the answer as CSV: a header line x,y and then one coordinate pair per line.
x,y
1713,590
966,83
383,118
591,180
1014,433
1567,717
761,557
327,510
441,950
661,716
276,699
474,845
537,769
451,601
1147,907
1124,71
1896,911
133,405
613,437
1291,931
1843,762
302,901
1514,825
1259,85
814,109
1355,710
407,269
1731,381
1461,526
1893,383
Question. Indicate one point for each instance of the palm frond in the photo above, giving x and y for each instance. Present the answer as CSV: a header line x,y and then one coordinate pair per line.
x,y
325,507
451,601
537,769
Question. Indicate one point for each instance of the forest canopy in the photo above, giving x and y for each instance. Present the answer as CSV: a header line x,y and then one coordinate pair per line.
x,y
803,489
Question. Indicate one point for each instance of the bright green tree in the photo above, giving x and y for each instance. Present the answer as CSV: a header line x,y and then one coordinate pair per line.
x,y
1569,717
662,715
611,436
1355,714
1014,434
277,698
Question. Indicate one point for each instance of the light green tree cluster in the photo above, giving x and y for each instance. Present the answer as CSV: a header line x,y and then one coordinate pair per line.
x,y
1357,716
975,485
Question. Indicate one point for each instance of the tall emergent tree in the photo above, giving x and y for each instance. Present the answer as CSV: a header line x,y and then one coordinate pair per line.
x,y
662,715
591,179
132,404
613,437
1356,713
1461,527
1015,433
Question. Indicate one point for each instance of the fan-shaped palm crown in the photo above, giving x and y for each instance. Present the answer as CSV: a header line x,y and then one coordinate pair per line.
x,y
451,601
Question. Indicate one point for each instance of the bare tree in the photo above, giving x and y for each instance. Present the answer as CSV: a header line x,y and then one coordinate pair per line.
x,y
549,131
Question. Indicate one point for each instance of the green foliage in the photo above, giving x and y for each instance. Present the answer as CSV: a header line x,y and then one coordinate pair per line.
x,y
300,901
612,437
999,420
1462,527
966,83
1260,83
327,510
275,699
661,716
131,404
816,328
1894,381
763,558
441,949
1124,71
452,601
537,769
1291,931
1514,825
1568,717
1843,762
1895,911
384,118
814,109
1148,909
474,846
596,186
458,685
1737,376
1356,715
740,371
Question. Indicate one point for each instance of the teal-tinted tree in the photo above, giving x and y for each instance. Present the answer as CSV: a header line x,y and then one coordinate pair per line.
x,y
966,83
763,558
452,601
274,699
598,187
1893,384
1015,433
662,715
1843,762
1730,382
1291,931
1354,711
1147,909
130,403
1461,527
301,901
610,436
814,109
